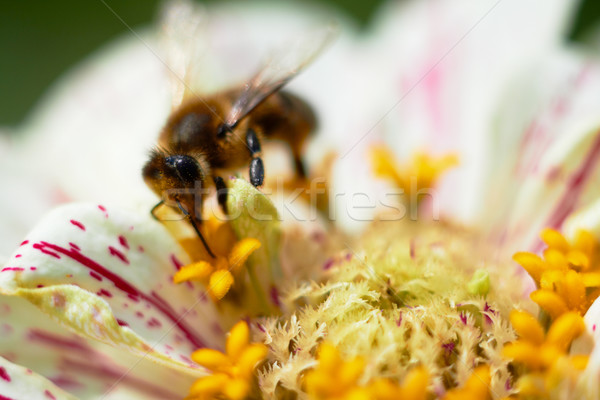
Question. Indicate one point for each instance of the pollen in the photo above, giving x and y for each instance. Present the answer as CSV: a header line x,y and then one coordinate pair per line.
x,y
567,274
421,172
217,274
231,373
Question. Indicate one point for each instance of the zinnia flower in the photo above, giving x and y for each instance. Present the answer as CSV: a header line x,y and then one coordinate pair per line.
x,y
491,132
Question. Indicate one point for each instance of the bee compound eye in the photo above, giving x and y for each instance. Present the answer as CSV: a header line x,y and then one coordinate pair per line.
x,y
186,167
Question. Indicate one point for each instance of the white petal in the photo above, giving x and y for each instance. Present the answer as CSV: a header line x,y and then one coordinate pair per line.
x,y
438,69
91,134
107,274
85,368
28,199
17,382
548,172
589,378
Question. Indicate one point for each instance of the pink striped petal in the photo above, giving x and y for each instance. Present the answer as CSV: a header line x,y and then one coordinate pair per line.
x,y
84,368
553,171
107,274
17,382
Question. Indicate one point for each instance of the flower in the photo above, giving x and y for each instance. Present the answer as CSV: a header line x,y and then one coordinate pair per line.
x,y
536,349
565,273
346,374
418,307
217,273
423,169
231,372
476,387
545,355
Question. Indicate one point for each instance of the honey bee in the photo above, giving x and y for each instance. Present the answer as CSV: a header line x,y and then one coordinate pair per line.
x,y
206,136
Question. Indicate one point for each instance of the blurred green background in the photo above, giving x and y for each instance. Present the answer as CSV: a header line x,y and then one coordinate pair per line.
x,y
40,39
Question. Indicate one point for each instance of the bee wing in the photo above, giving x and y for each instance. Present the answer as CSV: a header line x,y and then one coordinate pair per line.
x,y
183,24
280,68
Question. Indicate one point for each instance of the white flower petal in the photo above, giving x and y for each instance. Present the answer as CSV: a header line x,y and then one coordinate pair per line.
x,y
438,69
18,382
84,368
27,199
552,172
91,134
107,274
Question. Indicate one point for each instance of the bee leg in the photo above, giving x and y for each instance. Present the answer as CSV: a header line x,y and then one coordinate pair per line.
x,y
153,211
221,192
257,169
257,172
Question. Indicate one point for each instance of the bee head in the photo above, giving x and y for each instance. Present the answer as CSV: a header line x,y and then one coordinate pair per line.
x,y
185,168
165,172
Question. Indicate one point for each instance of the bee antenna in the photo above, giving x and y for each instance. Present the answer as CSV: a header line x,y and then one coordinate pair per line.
x,y
189,217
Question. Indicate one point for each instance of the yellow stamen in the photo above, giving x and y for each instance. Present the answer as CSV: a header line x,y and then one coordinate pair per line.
x,y
527,327
555,240
220,282
523,352
217,273
580,361
476,387
565,329
332,368
532,263
422,172
336,379
239,337
208,385
233,372
241,251
211,359
585,242
564,272
415,384
539,352
198,271
591,279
